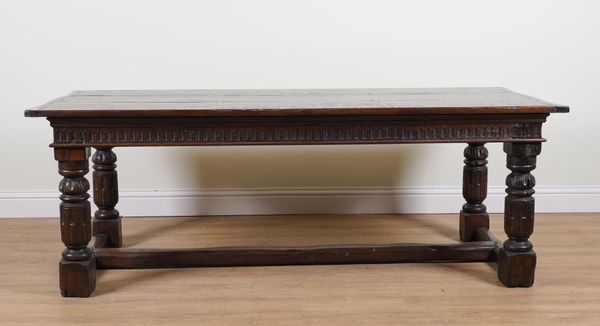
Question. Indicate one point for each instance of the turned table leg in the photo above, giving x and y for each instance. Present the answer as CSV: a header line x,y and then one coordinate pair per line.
x,y
77,268
107,220
516,260
473,214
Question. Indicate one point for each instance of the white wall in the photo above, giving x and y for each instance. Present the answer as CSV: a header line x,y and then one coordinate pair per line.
x,y
549,49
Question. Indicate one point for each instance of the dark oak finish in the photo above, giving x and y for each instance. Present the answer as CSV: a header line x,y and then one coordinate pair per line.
x,y
272,256
77,267
296,130
473,214
293,102
108,119
516,260
107,219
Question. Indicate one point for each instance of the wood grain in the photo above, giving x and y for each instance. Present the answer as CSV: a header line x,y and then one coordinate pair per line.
x,y
290,102
305,255
567,290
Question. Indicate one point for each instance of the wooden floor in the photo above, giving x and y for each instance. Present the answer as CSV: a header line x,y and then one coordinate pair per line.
x,y
567,289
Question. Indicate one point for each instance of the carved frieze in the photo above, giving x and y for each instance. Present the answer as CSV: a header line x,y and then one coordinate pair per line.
x,y
299,132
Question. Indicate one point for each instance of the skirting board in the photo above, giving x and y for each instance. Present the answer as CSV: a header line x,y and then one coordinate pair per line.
x,y
301,201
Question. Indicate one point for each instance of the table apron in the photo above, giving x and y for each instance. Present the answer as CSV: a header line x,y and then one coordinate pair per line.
x,y
301,130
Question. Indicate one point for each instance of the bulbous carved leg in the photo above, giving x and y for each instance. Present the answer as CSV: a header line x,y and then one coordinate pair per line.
x,y
473,214
107,220
77,267
516,260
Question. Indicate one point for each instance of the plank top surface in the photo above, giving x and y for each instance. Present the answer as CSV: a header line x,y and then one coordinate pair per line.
x,y
292,102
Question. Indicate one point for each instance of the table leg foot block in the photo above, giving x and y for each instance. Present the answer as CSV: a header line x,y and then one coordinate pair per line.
x,y
77,278
469,223
516,269
111,229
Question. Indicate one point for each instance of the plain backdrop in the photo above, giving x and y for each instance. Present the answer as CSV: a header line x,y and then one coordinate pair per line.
x,y
548,49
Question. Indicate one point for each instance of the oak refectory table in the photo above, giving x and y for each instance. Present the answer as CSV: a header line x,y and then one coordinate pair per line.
x,y
475,116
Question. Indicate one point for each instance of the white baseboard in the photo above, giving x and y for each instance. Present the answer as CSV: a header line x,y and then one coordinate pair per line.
x,y
301,201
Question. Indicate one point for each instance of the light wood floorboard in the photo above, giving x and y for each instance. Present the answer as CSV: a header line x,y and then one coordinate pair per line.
x,y
567,288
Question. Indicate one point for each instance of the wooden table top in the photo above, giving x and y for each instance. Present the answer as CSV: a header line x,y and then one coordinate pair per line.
x,y
292,102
